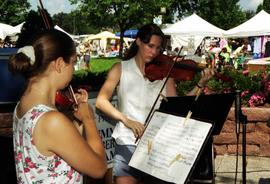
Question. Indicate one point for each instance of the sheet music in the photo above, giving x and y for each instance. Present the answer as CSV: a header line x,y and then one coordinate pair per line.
x,y
170,146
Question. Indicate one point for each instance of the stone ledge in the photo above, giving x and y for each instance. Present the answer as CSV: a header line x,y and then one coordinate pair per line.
x,y
253,114
257,133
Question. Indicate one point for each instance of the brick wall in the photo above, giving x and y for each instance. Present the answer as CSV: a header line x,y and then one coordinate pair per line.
x,y
257,134
6,124
257,137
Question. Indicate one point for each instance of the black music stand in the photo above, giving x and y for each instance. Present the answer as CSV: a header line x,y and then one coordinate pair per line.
x,y
213,108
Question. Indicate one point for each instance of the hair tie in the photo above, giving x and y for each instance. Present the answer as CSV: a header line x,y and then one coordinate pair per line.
x,y
29,52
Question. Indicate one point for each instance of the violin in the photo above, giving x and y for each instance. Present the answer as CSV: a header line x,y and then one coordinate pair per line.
x,y
65,99
183,70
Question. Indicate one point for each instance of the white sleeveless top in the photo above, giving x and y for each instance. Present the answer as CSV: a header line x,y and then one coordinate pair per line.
x,y
136,95
31,165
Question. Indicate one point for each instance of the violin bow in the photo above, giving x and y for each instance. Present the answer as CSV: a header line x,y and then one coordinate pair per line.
x,y
49,26
44,16
150,114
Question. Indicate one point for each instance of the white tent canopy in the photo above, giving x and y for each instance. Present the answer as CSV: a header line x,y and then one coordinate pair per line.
x,y
190,32
19,27
258,25
105,37
60,29
194,26
7,30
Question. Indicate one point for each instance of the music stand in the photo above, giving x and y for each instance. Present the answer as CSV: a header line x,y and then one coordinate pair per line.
x,y
214,108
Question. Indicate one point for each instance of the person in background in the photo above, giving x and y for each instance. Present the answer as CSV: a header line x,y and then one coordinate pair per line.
x,y
136,95
86,55
48,147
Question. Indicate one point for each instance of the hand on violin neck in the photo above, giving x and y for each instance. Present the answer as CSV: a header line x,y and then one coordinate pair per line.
x,y
82,96
206,75
178,58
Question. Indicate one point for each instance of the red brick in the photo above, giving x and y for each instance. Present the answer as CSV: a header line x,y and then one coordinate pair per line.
x,y
251,150
225,138
6,132
265,150
262,127
228,127
220,149
257,138
5,120
253,114
250,127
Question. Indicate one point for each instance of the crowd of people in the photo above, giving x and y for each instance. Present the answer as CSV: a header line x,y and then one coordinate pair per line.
x,y
220,52
234,52
228,52
7,43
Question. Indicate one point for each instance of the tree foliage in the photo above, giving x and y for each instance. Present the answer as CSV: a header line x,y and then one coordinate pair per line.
x,y
266,5
223,14
34,23
13,12
121,14
185,8
74,23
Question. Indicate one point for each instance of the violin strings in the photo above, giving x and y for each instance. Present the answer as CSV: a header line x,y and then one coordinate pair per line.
x,y
70,89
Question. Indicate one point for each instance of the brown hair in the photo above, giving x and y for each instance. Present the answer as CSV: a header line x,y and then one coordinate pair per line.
x,y
48,45
145,33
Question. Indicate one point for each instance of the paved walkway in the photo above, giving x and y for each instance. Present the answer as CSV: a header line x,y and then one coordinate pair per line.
x,y
257,170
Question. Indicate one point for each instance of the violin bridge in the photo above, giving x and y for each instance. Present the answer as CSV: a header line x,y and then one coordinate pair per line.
x,y
164,97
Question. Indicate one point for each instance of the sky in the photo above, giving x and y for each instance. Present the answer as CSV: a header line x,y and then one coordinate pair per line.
x,y
57,6
250,4
53,6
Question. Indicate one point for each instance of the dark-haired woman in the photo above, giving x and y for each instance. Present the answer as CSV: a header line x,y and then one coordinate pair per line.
x,y
136,95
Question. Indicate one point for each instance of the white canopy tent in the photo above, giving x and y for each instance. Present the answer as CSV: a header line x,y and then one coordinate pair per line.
x,y
60,29
19,27
194,26
104,38
258,25
7,30
190,31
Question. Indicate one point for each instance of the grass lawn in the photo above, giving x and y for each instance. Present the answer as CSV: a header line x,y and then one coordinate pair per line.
x,y
96,75
99,65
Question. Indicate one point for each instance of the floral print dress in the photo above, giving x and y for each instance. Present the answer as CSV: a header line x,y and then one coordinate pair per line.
x,y
31,165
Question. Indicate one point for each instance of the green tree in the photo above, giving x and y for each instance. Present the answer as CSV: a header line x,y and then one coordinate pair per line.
x,y
34,23
225,15
249,14
74,23
218,12
266,5
13,12
121,14
184,8
259,8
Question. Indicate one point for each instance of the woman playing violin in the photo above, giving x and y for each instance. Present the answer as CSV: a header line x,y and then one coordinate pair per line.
x,y
136,95
48,148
